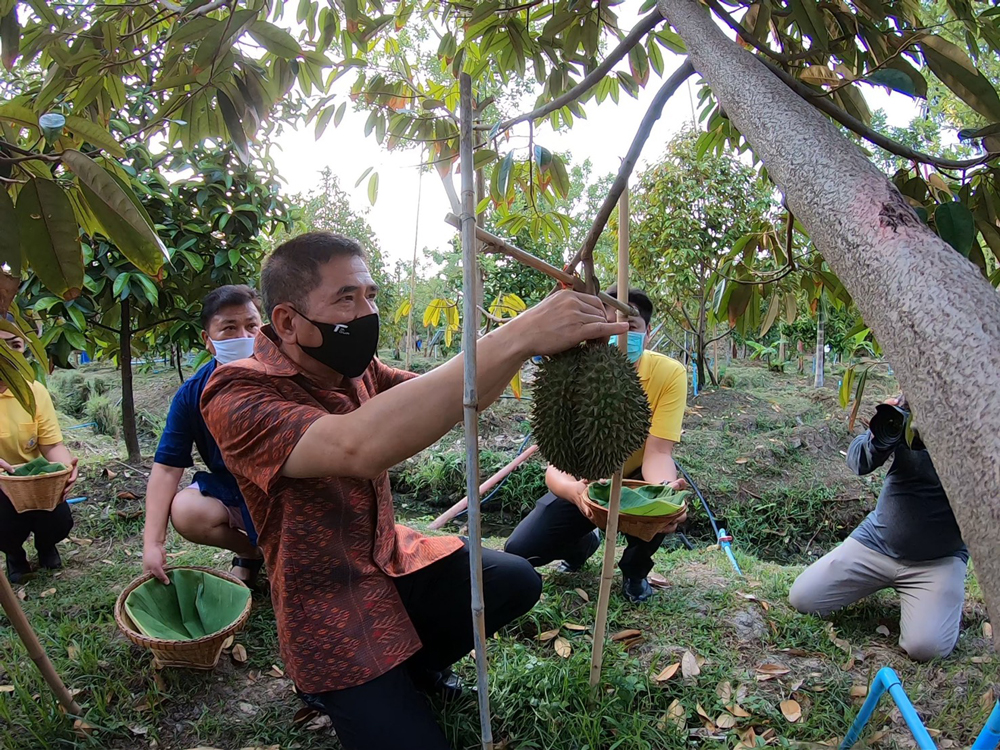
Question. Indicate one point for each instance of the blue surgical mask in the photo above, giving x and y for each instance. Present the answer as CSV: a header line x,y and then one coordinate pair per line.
x,y
230,350
636,339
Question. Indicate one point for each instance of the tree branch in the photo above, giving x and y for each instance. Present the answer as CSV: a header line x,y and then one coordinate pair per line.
x,y
855,125
719,338
624,172
647,24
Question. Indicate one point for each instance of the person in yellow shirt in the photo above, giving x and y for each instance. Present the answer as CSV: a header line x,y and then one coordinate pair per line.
x,y
24,437
557,530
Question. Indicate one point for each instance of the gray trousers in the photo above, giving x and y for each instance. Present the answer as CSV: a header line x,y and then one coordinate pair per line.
x,y
930,593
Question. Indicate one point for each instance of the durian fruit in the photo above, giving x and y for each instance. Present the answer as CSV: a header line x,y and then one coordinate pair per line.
x,y
589,412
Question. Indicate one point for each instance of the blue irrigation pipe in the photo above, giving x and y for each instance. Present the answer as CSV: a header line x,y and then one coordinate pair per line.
x,y
887,681
724,539
989,738
81,426
495,490
75,500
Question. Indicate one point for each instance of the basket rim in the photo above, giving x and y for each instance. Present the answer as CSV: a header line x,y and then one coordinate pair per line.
x,y
4,477
128,627
641,483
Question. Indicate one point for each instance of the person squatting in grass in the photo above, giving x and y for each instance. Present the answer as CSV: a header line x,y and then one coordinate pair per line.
x,y
211,511
370,613
23,438
910,542
557,529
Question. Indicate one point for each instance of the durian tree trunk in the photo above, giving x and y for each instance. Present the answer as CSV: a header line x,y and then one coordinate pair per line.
x,y
935,316
781,350
819,362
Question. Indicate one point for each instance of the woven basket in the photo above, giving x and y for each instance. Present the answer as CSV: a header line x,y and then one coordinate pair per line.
x,y
201,653
40,492
643,527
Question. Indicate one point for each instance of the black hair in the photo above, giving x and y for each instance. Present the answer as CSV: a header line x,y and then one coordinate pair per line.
x,y
229,295
291,272
638,299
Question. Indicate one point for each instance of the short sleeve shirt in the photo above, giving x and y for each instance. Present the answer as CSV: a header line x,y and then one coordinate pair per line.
x,y
664,380
22,433
331,544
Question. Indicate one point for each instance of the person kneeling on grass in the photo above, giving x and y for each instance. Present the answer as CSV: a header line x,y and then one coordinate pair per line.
x,y
370,613
23,438
557,528
210,511
910,543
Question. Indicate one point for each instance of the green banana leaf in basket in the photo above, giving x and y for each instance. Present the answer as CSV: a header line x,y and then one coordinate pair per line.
x,y
194,605
650,500
38,466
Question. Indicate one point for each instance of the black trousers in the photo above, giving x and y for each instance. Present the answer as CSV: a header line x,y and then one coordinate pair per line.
x,y
389,712
557,530
48,526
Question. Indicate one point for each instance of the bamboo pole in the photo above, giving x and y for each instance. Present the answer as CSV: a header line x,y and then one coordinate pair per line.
x,y
485,487
614,503
413,273
494,244
8,599
470,330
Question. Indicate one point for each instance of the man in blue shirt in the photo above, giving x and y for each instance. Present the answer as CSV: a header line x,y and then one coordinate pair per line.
x,y
211,511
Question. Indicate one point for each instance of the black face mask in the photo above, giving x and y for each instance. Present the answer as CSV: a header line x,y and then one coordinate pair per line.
x,y
347,348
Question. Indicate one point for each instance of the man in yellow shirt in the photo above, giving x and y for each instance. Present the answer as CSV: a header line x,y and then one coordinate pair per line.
x,y
556,529
24,437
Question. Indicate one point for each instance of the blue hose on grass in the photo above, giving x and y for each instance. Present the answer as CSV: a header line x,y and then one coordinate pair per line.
x,y
724,539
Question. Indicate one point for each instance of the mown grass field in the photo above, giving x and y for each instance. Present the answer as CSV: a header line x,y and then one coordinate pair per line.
x,y
739,650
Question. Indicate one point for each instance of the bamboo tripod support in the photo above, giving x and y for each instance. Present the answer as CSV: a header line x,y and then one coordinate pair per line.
x,y
470,275
614,504
8,599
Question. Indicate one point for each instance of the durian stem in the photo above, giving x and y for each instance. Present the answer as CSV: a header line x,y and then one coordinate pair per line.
x,y
614,502
470,330
494,244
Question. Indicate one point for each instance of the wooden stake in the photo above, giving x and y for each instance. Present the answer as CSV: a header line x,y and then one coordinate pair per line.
x,y
8,599
614,504
470,330
485,487
413,273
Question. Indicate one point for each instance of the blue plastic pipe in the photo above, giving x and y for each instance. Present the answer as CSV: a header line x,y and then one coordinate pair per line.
x,y
75,500
989,738
724,542
888,681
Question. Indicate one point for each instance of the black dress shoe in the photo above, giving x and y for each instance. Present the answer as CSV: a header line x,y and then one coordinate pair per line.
x,y
589,545
49,558
636,590
445,684
18,568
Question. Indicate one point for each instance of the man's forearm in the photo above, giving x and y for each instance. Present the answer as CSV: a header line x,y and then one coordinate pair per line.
x,y
407,418
864,456
160,490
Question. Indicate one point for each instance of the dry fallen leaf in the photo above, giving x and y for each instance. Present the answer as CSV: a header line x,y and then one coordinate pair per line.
x,y
737,710
742,460
748,738
108,474
139,730
791,710
6,688
72,652
304,714
987,630
576,627
22,594
667,673
767,672
725,691
47,592
859,691
882,630
582,594
848,665
701,712
986,700
80,541
548,635
726,721
621,635
563,648
228,643
127,495
276,671
689,665
239,653
82,728
678,715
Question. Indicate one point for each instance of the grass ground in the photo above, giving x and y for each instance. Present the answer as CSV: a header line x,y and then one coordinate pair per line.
x,y
741,651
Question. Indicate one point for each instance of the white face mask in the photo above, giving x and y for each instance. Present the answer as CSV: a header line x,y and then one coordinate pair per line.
x,y
230,350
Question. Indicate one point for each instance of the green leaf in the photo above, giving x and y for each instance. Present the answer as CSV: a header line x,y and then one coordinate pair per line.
x,y
28,334
956,225
50,235
560,178
893,79
373,188
10,241
738,301
126,226
484,157
363,175
917,80
543,158
275,40
340,114
503,180
772,312
120,287
973,134
94,134
152,294
234,125
809,17
216,41
323,120
655,57
844,393
10,374
10,38
956,70
18,114
639,64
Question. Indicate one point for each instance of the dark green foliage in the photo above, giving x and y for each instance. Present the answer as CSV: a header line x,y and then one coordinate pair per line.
x,y
39,466
589,412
